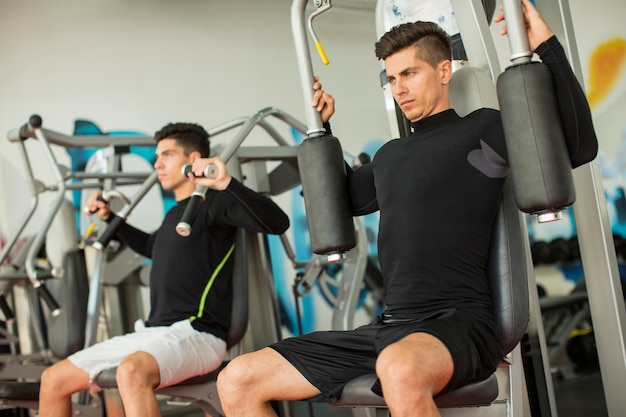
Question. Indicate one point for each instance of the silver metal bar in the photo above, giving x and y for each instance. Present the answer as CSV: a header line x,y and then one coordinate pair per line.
x,y
476,35
139,194
34,190
247,125
298,27
352,274
95,141
268,111
102,175
516,32
94,300
41,235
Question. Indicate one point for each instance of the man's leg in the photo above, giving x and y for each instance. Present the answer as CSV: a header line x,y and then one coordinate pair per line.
x,y
58,383
412,371
137,376
251,381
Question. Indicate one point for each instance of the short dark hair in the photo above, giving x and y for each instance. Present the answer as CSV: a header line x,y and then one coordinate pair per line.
x,y
431,42
191,136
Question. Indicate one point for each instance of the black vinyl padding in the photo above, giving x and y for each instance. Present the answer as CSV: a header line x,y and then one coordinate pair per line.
x,y
15,390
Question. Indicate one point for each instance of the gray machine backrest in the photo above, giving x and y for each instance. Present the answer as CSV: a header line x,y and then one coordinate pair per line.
x,y
471,88
508,270
239,319
66,332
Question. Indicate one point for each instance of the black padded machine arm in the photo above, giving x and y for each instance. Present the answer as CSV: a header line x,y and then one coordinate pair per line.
x,y
320,160
537,150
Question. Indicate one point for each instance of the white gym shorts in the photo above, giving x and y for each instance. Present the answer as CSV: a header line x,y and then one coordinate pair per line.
x,y
180,350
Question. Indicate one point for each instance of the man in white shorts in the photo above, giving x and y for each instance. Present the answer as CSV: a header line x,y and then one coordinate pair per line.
x,y
190,283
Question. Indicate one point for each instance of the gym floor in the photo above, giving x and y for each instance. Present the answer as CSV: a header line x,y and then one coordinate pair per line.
x,y
578,390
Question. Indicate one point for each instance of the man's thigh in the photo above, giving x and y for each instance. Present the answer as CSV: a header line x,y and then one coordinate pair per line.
x,y
473,343
180,351
329,359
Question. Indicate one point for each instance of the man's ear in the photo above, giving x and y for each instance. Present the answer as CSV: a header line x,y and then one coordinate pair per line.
x,y
194,155
445,71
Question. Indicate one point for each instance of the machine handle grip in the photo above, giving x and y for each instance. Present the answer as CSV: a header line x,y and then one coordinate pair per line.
x,y
99,198
210,171
191,211
183,228
108,233
47,297
27,130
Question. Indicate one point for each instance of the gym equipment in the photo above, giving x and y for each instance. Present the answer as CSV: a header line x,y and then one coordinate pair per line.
x,y
30,348
561,316
538,157
64,275
32,129
569,326
320,159
581,349
348,288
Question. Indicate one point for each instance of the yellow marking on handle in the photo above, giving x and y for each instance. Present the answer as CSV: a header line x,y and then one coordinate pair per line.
x,y
320,49
89,231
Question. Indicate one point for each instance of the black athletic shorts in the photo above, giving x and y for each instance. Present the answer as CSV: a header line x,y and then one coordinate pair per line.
x,y
329,359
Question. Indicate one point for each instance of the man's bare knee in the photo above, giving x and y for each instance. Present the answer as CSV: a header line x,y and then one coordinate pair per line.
x,y
61,380
236,375
419,361
137,371
51,381
393,367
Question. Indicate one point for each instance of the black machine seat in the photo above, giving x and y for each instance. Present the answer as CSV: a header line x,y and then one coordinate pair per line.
x,y
23,391
106,378
508,279
357,393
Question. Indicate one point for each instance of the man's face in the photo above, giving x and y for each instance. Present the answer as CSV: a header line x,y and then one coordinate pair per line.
x,y
419,89
170,159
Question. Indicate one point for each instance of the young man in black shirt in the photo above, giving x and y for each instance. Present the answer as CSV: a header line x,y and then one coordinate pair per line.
x,y
438,192
190,283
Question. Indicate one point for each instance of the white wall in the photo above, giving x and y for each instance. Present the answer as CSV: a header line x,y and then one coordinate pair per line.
x,y
143,63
